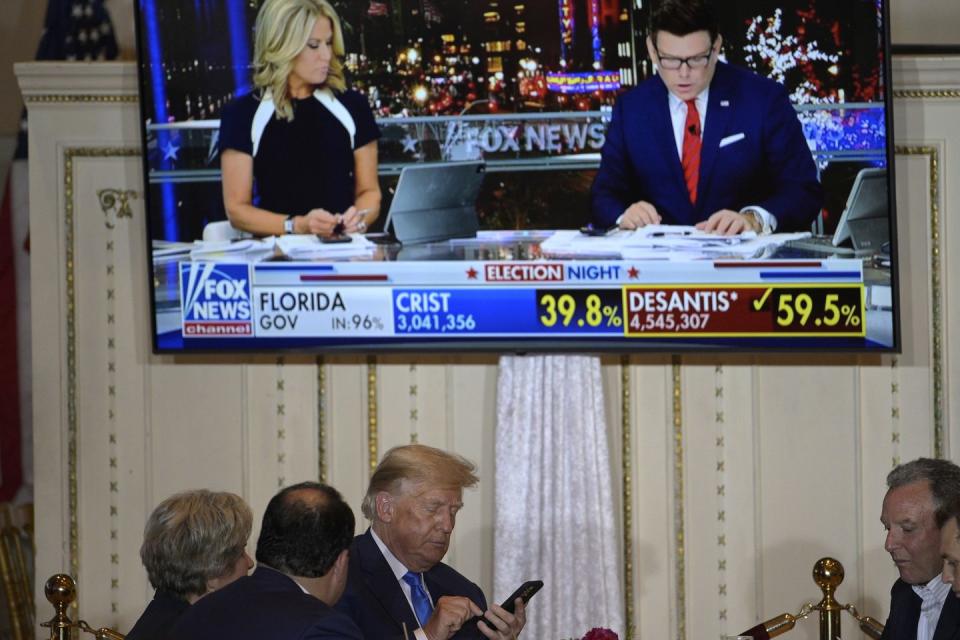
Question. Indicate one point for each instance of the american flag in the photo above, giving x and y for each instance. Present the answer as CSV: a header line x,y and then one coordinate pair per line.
x,y
77,30
377,8
72,30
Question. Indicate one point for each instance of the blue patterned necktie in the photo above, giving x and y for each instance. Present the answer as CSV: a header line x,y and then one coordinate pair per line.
x,y
419,597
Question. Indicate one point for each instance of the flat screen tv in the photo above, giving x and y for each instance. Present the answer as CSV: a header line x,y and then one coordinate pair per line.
x,y
493,117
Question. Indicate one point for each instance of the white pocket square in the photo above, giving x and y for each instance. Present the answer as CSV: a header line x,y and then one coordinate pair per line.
x,y
737,137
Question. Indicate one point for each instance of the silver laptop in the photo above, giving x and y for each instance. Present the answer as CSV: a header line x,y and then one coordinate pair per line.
x,y
865,221
436,201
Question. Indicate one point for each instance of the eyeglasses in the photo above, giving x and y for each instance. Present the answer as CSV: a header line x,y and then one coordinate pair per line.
x,y
693,62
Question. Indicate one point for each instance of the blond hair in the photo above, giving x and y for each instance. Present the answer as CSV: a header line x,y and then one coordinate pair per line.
x,y
417,463
282,30
193,537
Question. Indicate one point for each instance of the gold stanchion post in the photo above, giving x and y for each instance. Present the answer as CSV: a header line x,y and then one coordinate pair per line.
x,y
61,591
828,574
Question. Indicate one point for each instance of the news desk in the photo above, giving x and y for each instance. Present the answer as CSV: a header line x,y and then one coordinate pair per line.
x,y
500,291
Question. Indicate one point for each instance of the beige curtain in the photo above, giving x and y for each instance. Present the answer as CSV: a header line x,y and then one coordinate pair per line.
x,y
554,507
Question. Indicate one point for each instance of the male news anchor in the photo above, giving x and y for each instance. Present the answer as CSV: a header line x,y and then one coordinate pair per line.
x,y
704,142
301,572
914,509
398,587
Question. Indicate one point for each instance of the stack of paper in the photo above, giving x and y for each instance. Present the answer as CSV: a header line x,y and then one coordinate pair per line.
x,y
572,243
665,242
248,250
310,247
163,250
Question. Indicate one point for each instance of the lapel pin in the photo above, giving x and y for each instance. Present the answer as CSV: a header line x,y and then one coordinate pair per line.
x,y
724,103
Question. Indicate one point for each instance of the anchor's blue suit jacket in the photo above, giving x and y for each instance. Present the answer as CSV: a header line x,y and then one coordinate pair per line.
x,y
764,160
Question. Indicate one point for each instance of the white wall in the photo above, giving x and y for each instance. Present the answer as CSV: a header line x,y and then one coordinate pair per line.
x,y
925,22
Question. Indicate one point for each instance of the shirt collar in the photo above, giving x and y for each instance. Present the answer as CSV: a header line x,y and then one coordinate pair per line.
x,y
264,567
934,592
398,568
702,97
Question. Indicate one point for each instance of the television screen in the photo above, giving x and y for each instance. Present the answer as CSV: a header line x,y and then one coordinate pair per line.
x,y
517,142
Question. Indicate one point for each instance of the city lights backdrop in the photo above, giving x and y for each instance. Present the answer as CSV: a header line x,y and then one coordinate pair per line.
x,y
524,84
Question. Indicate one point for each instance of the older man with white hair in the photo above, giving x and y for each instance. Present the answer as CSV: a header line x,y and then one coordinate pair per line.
x,y
397,585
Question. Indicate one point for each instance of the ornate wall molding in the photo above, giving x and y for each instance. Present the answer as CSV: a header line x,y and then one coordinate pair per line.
x,y
52,82
281,426
322,419
936,303
116,202
79,98
679,500
626,422
928,94
895,425
413,397
110,204
373,444
70,156
721,497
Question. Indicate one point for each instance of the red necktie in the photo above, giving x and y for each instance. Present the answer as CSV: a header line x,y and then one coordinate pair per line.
x,y
690,160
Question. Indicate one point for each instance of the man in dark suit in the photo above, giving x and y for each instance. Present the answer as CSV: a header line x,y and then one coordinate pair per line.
x,y
914,509
398,587
301,572
194,543
703,142
950,544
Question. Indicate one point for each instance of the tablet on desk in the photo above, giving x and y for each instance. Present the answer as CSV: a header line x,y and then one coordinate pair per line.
x,y
865,222
436,201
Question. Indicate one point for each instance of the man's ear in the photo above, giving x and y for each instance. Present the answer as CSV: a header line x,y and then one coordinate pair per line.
x,y
718,44
652,51
385,504
342,563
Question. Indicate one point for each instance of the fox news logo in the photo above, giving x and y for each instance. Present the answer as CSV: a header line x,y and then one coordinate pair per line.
x,y
216,300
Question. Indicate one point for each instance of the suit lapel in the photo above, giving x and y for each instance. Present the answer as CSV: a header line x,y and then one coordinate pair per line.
x,y
662,126
720,106
911,608
381,582
442,583
438,586
948,627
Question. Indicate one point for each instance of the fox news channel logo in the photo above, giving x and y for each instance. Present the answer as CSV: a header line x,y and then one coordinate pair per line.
x,y
216,300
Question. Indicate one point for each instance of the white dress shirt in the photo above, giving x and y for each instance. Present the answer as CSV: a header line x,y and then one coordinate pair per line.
x,y
932,595
400,570
678,117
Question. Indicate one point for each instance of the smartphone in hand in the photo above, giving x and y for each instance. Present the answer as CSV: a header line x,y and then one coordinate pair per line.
x,y
524,592
335,239
590,230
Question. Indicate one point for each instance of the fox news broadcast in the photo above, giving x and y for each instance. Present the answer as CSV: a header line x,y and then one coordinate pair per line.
x,y
519,175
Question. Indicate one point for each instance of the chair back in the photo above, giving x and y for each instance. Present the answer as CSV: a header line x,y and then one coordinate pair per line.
x,y
16,563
